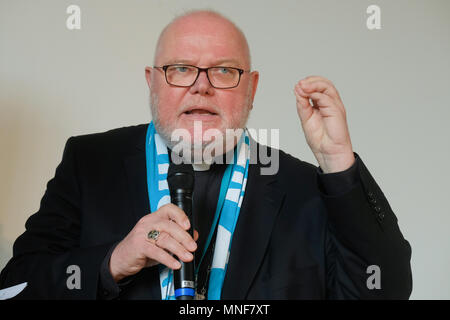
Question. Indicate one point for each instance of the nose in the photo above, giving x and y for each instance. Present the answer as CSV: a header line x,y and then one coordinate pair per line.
x,y
202,85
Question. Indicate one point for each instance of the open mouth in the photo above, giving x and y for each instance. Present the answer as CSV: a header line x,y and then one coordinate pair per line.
x,y
200,112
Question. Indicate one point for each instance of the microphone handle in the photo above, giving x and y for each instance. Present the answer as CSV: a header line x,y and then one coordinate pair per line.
x,y
184,279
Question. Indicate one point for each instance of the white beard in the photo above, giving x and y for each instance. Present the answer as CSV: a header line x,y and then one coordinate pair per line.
x,y
201,150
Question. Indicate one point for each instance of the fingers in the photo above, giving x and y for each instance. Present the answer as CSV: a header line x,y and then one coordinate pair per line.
x,y
159,252
325,104
304,108
167,242
319,84
175,231
312,79
172,212
161,256
323,95
137,251
173,239
316,78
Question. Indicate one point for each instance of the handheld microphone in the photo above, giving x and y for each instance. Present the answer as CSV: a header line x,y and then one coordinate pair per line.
x,y
180,179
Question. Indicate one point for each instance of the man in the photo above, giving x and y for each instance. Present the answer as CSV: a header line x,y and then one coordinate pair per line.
x,y
301,233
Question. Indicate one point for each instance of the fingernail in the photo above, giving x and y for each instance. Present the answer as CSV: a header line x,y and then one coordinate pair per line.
x,y
188,256
176,265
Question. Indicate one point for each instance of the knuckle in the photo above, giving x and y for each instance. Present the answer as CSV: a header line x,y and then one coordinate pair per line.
x,y
170,207
157,224
164,225
164,208
163,237
144,222
139,229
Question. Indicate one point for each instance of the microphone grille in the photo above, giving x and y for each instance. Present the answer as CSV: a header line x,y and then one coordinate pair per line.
x,y
180,176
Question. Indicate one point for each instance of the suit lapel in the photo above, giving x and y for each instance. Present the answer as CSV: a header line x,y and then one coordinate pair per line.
x,y
137,184
135,168
262,202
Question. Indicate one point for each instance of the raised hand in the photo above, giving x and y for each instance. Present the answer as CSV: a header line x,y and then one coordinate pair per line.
x,y
324,123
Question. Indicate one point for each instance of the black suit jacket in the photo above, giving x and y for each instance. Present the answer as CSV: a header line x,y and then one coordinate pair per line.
x,y
293,239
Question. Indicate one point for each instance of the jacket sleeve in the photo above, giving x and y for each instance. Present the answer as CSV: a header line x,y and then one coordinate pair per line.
x,y
48,255
367,256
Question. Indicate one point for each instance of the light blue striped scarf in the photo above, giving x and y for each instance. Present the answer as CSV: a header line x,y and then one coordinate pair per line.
x,y
228,207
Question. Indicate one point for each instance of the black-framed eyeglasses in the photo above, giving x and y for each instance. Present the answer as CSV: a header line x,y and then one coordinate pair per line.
x,y
184,75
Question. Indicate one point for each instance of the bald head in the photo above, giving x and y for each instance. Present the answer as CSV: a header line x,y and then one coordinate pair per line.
x,y
203,39
204,29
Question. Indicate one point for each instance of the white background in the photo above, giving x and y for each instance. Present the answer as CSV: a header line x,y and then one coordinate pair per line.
x,y
56,83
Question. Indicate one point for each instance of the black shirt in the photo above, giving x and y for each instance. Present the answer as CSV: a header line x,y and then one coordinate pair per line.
x,y
205,197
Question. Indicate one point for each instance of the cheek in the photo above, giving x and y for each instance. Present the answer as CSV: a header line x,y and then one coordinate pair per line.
x,y
233,106
169,104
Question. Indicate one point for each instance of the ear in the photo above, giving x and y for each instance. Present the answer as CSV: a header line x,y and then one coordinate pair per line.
x,y
254,81
148,73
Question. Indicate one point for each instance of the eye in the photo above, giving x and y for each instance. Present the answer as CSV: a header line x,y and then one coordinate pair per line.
x,y
224,70
181,69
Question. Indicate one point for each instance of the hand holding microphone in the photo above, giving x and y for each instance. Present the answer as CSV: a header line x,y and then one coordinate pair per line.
x,y
162,236
137,251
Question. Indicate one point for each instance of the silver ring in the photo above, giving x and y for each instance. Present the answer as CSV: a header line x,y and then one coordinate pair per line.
x,y
153,235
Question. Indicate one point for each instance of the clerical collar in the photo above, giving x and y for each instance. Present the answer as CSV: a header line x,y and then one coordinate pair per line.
x,y
217,161
201,166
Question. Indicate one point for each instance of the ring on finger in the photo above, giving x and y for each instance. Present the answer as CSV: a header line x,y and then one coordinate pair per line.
x,y
153,235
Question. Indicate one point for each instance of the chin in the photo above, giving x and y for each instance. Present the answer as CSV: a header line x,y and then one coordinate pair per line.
x,y
200,130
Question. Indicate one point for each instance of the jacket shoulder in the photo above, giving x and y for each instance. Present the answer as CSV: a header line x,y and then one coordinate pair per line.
x,y
290,172
293,168
118,140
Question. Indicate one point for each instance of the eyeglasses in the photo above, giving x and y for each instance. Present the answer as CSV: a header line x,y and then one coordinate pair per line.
x,y
183,75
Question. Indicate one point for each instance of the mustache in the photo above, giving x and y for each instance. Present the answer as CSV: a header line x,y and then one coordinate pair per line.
x,y
201,103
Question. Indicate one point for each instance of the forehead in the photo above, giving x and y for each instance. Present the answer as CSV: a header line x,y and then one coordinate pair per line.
x,y
204,39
